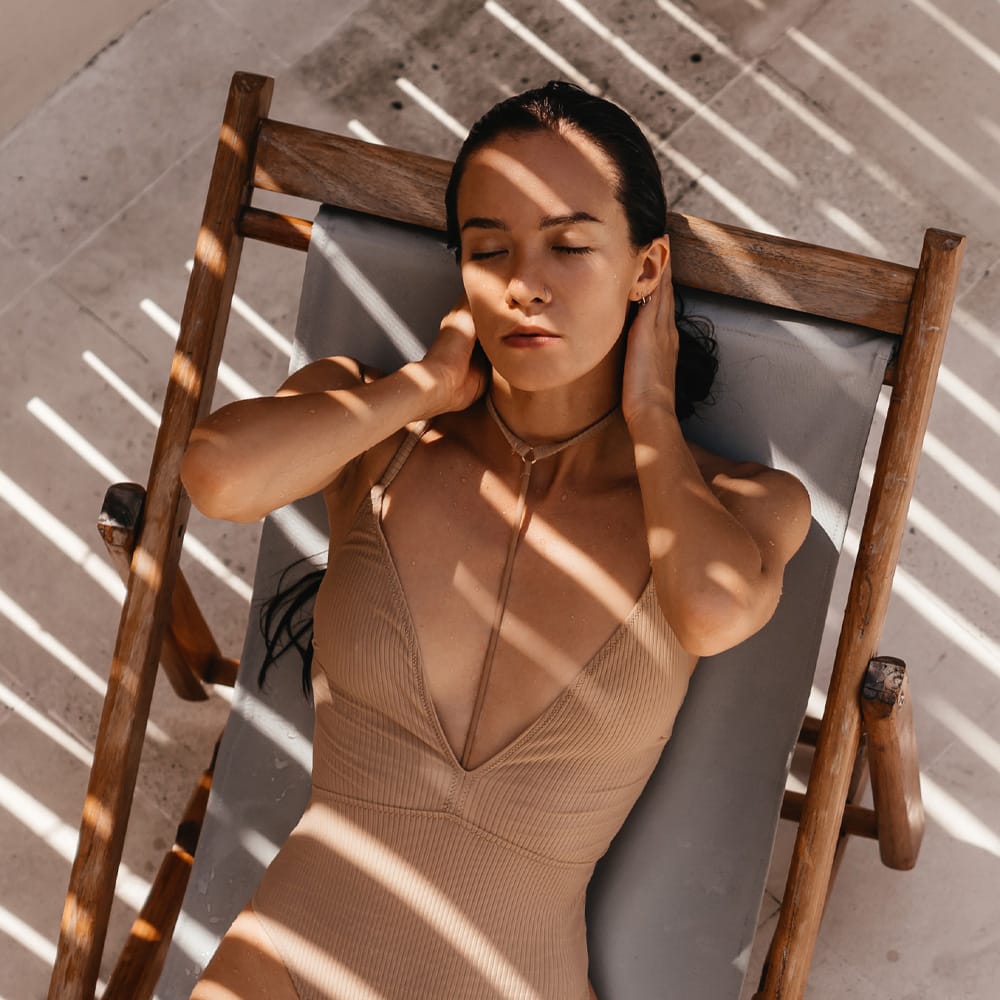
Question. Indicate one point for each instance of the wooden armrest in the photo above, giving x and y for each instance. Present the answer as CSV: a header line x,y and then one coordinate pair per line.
x,y
190,654
892,760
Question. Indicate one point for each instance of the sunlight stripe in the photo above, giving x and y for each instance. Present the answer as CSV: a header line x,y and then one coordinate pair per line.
x,y
956,466
977,405
201,553
948,540
20,618
432,108
977,329
27,937
896,114
989,127
235,383
112,474
414,890
70,544
313,542
122,388
964,729
700,108
960,34
701,32
34,631
957,820
956,628
976,483
363,132
62,838
790,103
372,300
747,216
872,246
527,36
25,710
75,441
243,309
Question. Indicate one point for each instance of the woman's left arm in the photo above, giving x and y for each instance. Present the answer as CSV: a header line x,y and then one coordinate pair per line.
x,y
720,533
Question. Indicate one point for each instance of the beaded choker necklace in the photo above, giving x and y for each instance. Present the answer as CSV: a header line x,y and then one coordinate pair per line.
x,y
535,453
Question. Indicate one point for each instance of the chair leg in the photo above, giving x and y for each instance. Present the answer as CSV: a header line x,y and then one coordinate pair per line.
x,y
138,968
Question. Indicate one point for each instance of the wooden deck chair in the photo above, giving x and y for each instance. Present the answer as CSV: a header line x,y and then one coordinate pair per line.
x,y
745,281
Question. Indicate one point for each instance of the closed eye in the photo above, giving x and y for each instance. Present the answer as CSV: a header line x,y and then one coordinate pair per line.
x,y
485,254
572,249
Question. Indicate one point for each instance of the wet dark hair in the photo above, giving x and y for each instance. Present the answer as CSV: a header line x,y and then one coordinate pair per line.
x,y
564,106
286,620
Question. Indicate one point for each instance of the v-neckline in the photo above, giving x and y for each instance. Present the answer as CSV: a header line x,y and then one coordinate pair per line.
x,y
421,678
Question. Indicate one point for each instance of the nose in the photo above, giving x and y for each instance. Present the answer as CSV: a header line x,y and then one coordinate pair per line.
x,y
526,287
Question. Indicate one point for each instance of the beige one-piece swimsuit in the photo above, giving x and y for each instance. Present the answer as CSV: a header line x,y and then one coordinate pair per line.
x,y
411,877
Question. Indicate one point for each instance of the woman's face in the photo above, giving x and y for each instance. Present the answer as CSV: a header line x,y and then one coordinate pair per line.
x,y
547,262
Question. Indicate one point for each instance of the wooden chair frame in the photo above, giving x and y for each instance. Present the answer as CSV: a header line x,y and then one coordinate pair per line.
x,y
160,622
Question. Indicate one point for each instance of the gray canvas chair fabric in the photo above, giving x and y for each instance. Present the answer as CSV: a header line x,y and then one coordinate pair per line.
x,y
673,906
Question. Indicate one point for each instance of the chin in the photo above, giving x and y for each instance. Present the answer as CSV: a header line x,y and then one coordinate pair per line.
x,y
534,375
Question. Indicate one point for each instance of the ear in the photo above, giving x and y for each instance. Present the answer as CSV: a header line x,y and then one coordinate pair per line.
x,y
652,261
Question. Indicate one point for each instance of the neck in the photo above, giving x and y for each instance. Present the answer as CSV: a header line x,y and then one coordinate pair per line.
x,y
545,416
531,453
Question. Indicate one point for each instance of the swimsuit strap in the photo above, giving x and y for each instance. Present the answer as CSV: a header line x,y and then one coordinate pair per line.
x,y
403,452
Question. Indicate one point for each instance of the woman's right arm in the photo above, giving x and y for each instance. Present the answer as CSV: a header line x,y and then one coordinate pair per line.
x,y
253,456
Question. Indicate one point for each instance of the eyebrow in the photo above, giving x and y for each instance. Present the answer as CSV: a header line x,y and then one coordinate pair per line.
x,y
549,222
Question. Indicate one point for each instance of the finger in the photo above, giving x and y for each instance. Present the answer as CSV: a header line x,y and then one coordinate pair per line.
x,y
664,305
667,295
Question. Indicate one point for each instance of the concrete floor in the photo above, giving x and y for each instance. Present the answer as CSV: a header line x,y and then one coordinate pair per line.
x,y
836,121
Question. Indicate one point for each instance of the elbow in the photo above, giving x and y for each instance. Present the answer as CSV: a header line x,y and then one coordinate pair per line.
x,y
213,490
715,620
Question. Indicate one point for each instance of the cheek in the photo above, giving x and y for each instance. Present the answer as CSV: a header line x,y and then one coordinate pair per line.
x,y
485,291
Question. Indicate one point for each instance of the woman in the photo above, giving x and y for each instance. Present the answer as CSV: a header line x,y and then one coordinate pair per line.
x,y
526,561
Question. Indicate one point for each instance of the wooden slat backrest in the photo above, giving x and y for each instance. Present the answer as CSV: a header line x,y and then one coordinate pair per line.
x,y
409,187
392,183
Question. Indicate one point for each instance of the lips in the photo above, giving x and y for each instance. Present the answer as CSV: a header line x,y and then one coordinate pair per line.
x,y
529,336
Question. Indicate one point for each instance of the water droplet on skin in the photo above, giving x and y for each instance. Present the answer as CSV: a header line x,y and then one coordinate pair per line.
x,y
564,496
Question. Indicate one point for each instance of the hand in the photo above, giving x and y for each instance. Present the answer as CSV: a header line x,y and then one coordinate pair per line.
x,y
458,370
651,353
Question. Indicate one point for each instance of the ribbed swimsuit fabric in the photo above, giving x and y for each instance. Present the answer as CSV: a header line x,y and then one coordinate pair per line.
x,y
410,877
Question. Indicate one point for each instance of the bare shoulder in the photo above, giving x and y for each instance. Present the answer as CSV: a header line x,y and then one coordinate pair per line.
x,y
721,470
328,373
771,503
